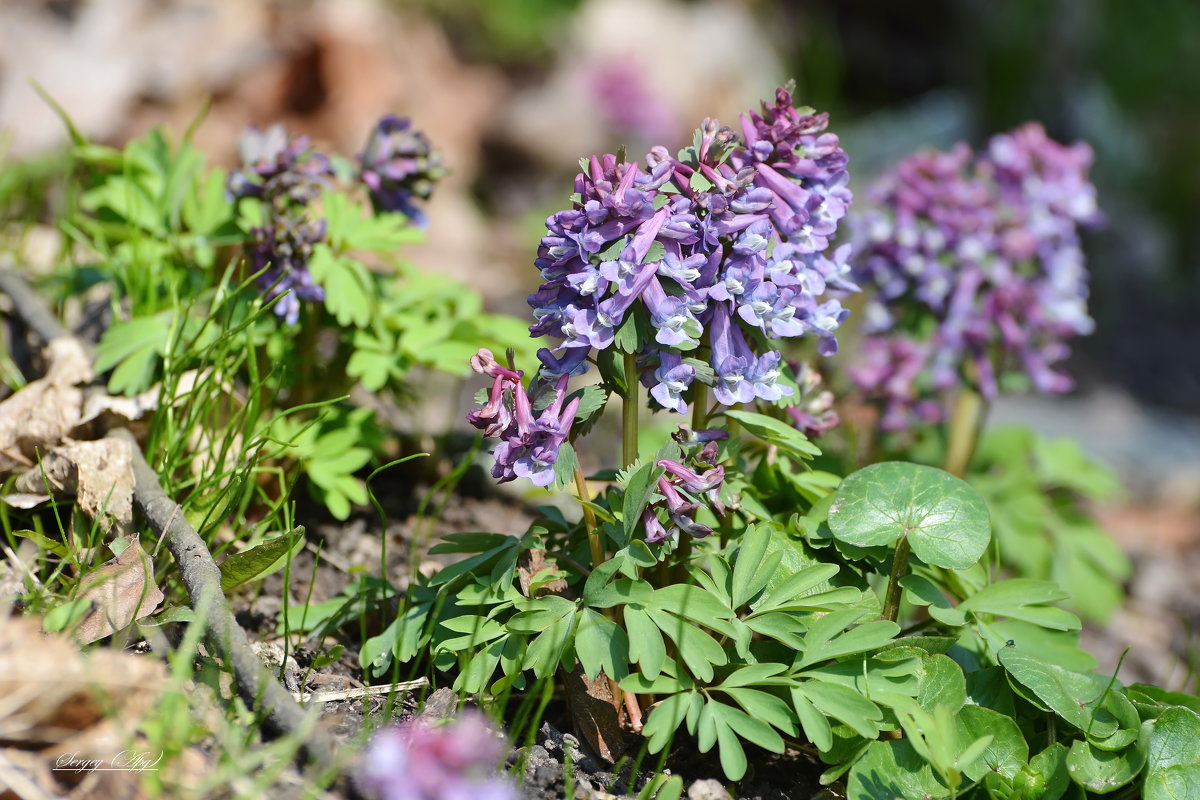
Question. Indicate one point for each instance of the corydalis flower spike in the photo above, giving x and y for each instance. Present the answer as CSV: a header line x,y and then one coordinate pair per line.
x,y
985,250
399,167
690,241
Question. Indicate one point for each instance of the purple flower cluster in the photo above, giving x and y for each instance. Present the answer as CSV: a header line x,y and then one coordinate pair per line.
x,y
398,166
721,247
985,252
681,488
416,761
528,445
286,175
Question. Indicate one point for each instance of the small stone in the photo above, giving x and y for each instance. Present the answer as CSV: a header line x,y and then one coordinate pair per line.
x,y
708,789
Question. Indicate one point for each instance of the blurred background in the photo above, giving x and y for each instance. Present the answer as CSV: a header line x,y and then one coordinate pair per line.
x,y
515,91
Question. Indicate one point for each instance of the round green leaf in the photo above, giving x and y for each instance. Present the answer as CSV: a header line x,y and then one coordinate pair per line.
x,y
1179,782
893,770
1074,696
1104,771
1175,739
1007,752
945,520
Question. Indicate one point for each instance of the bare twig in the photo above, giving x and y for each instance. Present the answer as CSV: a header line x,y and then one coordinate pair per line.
x,y
201,576
28,306
365,691
202,579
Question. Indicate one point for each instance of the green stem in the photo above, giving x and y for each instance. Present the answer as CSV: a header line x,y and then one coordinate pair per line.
x,y
891,601
589,520
629,413
970,409
700,406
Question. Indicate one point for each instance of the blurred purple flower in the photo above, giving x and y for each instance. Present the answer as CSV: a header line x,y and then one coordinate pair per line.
x,y
974,261
278,168
814,412
417,761
400,166
286,174
626,102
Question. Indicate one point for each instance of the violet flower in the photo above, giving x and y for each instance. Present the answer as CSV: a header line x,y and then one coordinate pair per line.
x,y
417,761
286,174
984,252
528,445
680,490
729,234
399,166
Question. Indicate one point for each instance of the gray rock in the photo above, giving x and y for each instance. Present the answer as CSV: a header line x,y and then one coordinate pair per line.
x,y
707,789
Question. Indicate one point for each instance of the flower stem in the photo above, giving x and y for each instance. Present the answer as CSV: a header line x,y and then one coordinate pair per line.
x,y
891,600
629,413
589,519
970,409
700,407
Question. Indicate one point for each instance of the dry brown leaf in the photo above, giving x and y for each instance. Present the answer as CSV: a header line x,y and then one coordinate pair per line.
x,y
120,591
56,702
99,474
45,410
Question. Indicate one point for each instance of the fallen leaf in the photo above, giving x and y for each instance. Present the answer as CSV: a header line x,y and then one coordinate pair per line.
x,y
99,474
45,410
119,592
57,702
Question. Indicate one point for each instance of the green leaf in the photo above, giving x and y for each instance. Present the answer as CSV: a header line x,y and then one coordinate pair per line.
x,y
700,652
261,560
694,603
349,226
826,640
646,646
943,683
763,706
816,728
944,519
776,432
842,703
891,770
1023,599
601,645
1104,771
1050,767
665,719
565,465
1072,695
45,542
753,568
638,488
1180,782
1007,752
920,591
1174,739
61,617
349,288
134,348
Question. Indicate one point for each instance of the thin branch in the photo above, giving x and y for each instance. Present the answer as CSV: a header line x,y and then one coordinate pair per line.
x,y
201,576
28,306
202,579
